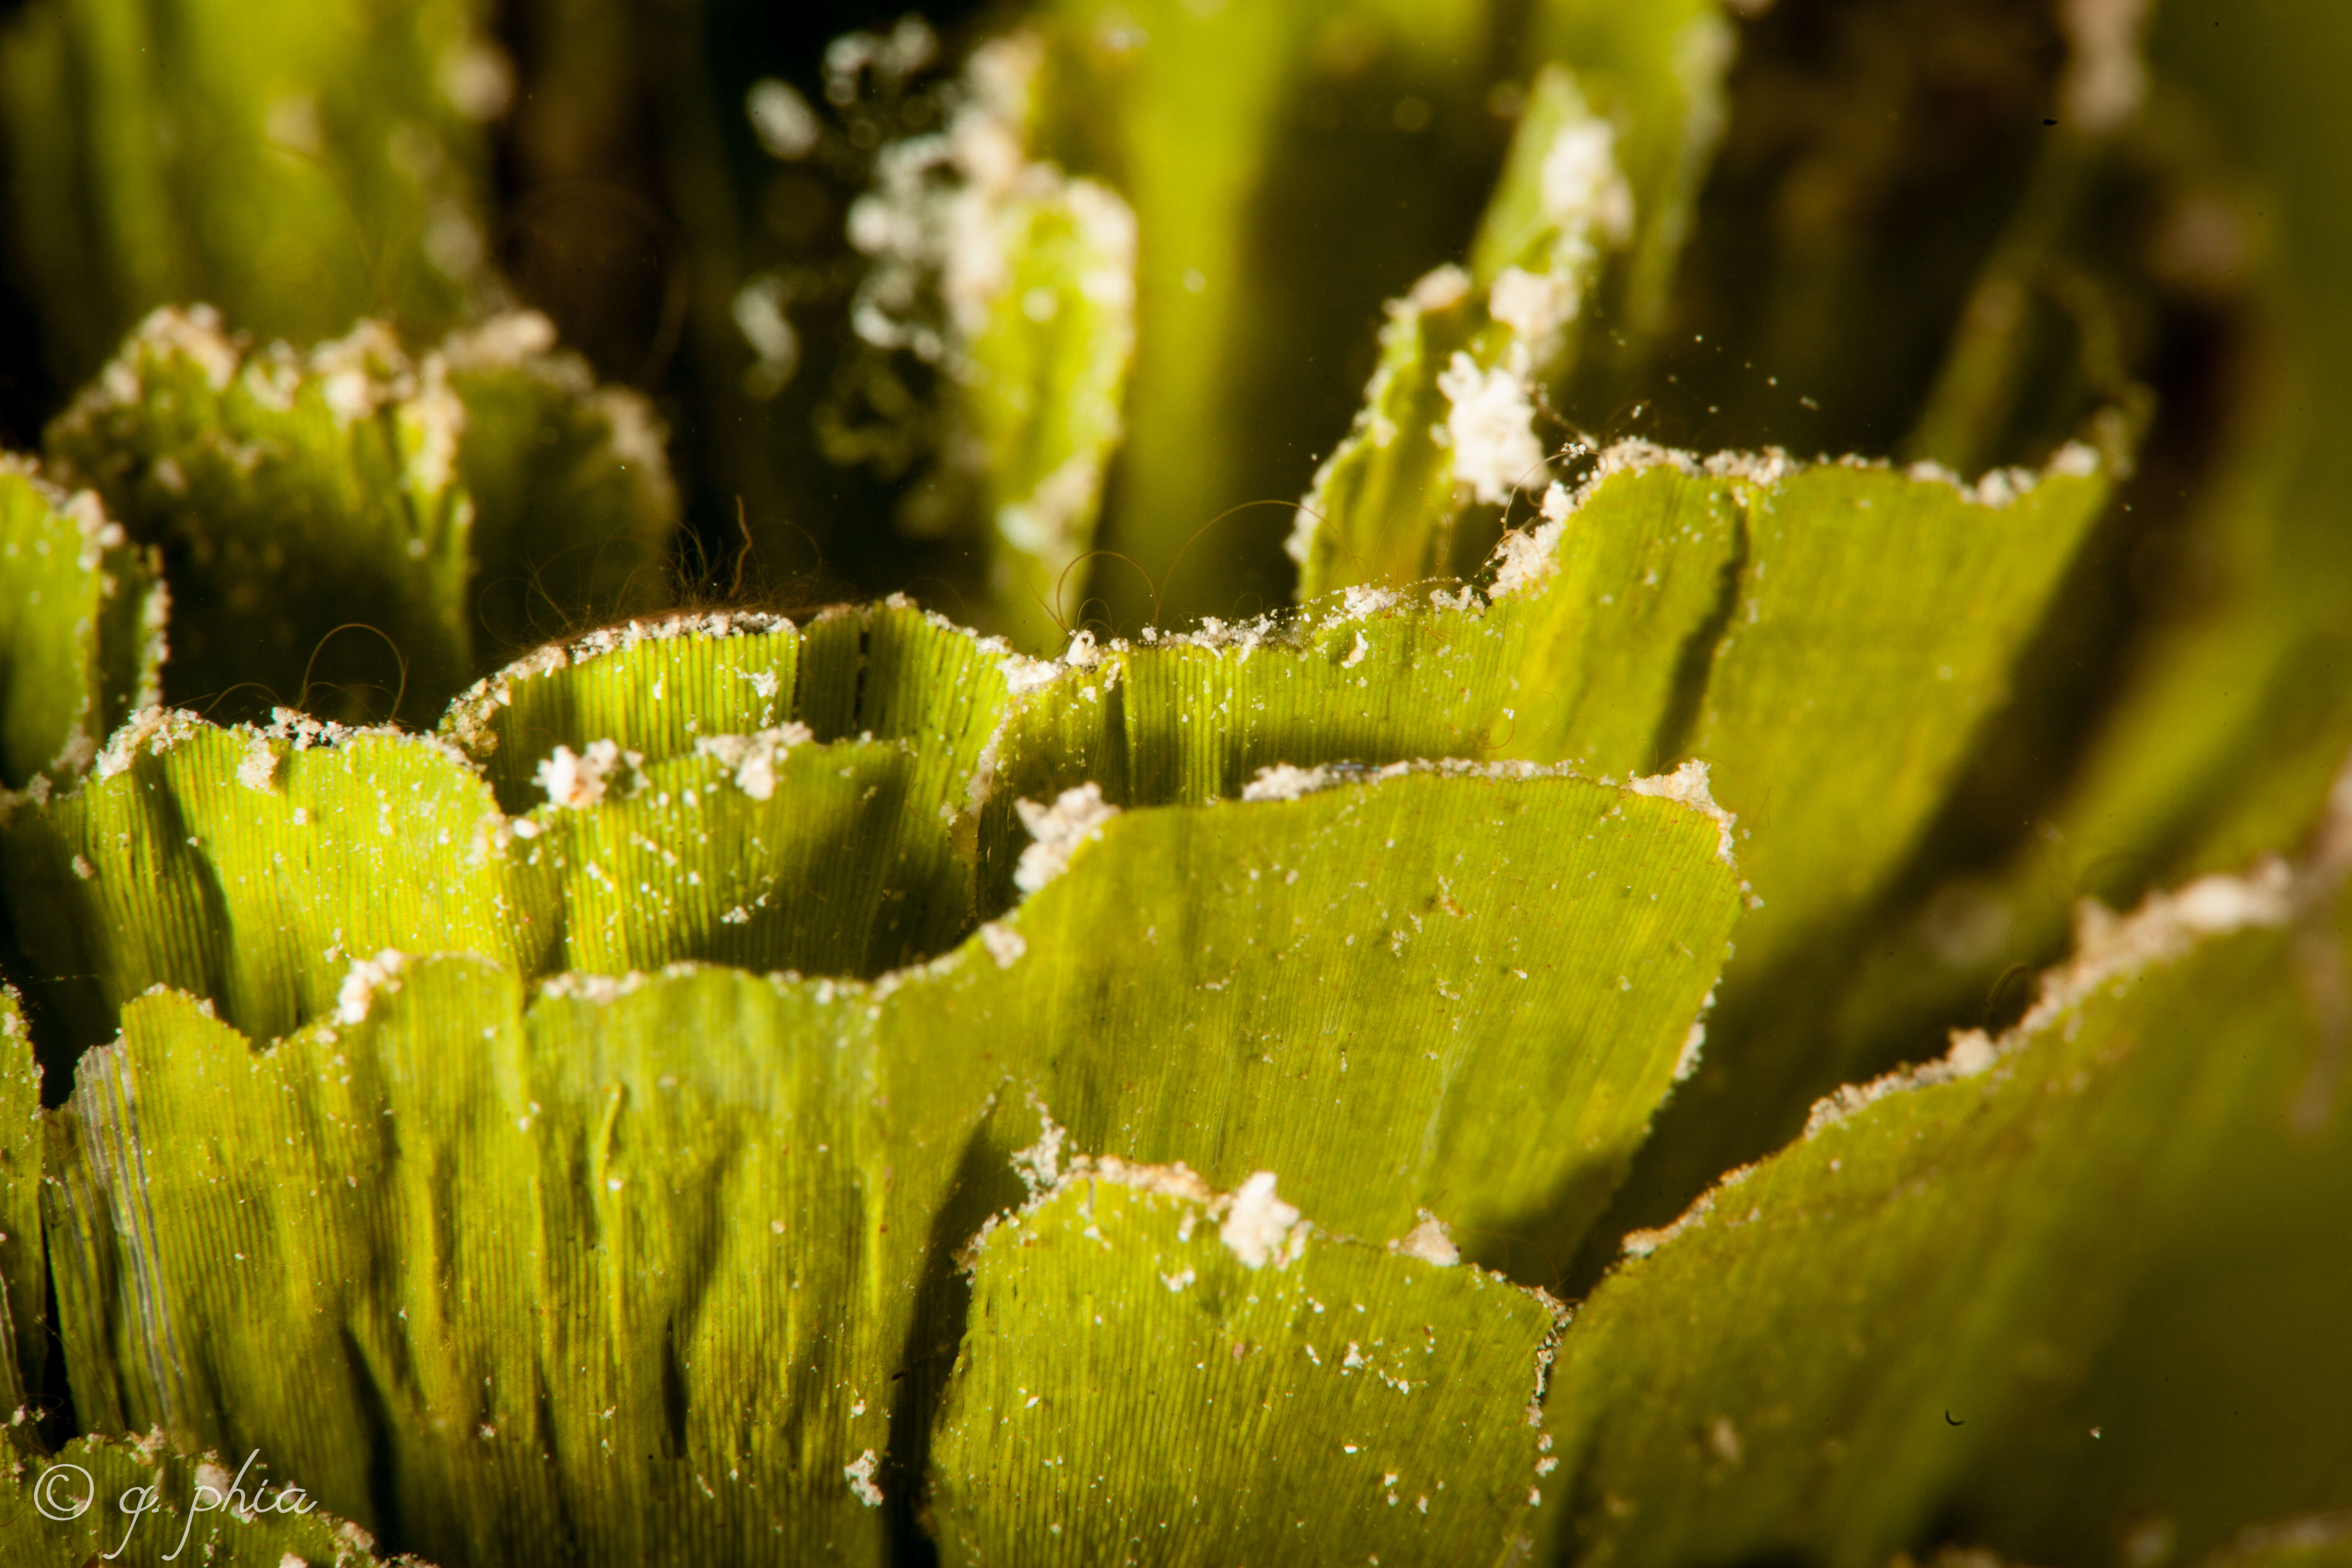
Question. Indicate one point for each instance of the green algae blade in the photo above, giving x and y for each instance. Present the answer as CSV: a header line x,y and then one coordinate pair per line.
x,y
24,1269
595,1278
1479,1027
573,505
311,486
299,166
457,1174
254,868
336,488
651,687
78,645
259,867
759,853
1310,1399
1814,1357
1450,418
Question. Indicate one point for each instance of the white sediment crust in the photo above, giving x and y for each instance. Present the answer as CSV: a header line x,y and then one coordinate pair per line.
x,y
753,757
1687,785
508,340
860,1472
1431,1241
366,979
2105,79
2107,947
155,730
257,769
1259,1227
1004,944
1490,425
577,781
1076,816
575,986
1522,559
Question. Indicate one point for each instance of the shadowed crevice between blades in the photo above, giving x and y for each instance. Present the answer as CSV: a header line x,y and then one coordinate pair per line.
x,y
984,1185
1695,665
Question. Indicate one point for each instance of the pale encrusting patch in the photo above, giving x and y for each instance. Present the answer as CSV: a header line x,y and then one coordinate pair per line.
x,y
752,758
2105,79
1490,427
1076,816
1004,944
1431,1241
1259,1227
577,781
367,979
2107,947
154,729
1583,191
860,1474
257,769
1687,785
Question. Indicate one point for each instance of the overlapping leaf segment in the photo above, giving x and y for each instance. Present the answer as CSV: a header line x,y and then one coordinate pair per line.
x,y
563,1134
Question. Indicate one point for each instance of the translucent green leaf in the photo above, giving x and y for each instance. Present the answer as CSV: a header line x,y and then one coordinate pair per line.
x,y
649,687
574,504
78,644
1450,418
1485,1022
1489,1053
762,854
299,165
289,495
610,1278
255,867
142,1504
2231,707
2224,1377
1307,1399
1812,1358
24,1272
1231,135
331,489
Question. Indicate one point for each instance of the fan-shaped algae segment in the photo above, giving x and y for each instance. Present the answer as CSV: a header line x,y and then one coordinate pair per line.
x,y
758,852
257,867
1313,1400
1877,620
659,686
310,485
709,1216
1444,988
652,686
1813,1356
612,1276
80,629
24,1272
1670,607
1590,210
573,502
143,1504
337,490
254,866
